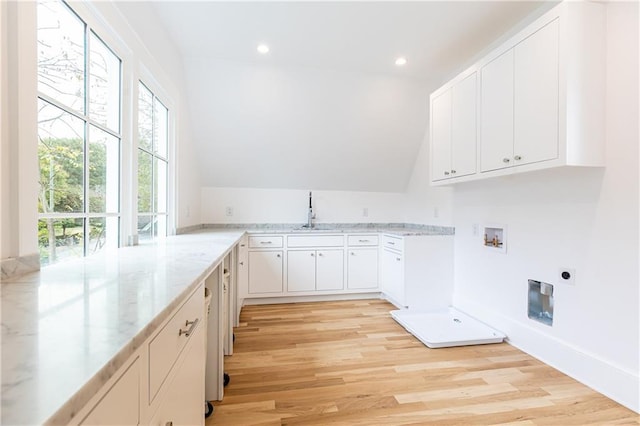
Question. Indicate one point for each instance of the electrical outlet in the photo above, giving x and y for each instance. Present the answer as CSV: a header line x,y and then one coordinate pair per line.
x,y
228,211
567,276
365,212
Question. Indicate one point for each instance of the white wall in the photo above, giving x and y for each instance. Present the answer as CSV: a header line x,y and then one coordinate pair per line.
x,y
257,205
585,219
274,127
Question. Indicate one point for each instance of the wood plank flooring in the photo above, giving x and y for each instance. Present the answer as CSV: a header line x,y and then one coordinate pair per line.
x,y
350,363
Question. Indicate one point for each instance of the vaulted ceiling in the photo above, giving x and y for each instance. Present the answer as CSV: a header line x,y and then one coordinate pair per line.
x,y
326,108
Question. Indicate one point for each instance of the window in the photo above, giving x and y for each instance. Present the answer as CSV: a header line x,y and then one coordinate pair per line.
x,y
79,137
153,132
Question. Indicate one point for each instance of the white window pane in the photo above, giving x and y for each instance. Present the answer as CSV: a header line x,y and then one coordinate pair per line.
x,y
145,227
104,172
145,182
103,234
60,160
160,229
60,239
104,85
61,44
160,129
145,118
160,186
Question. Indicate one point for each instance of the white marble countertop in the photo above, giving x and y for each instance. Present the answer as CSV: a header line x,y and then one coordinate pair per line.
x,y
67,328
399,229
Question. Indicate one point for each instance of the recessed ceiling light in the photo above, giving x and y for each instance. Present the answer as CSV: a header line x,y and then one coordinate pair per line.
x,y
401,61
263,48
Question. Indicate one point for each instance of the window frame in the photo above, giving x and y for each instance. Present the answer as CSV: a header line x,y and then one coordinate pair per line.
x,y
90,31
149,83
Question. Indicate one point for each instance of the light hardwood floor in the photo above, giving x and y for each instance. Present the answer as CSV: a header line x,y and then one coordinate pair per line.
x,y
350,363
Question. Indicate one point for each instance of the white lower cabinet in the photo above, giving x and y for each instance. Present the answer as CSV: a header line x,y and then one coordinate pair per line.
x,y
265,272
183,401
393,276
362,264
120,404
163,381
311,270
417,271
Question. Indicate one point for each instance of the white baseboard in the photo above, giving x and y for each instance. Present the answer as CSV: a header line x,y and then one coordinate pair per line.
x,y
615,382
311,298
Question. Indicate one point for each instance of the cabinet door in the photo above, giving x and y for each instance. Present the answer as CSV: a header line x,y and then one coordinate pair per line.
x,y
301,270
183,401
330,270
463,127
120,405
496,119
536,96
393,276
362,269
441,136
265,272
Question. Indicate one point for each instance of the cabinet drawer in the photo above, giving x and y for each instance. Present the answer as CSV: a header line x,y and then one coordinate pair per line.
x,y
166,346
393,242
266,241
315,240
363,240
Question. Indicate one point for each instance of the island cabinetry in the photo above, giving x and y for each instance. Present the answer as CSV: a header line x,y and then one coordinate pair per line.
x,y
163,381
120,403
362,262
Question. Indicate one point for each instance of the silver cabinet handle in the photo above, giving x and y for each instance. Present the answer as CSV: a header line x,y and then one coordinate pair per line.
x,y
517,158
453,172
398,259
168,424
193,325
505,160
266,242
391,243
446,173
241,245
363,241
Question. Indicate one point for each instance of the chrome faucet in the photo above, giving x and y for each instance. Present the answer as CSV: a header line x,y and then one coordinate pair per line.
x,y
310,214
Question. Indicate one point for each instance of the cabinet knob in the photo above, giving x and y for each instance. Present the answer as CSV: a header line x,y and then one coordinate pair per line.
x,y
517,158
278,255
312,255
446,173
353,254
505,160
241,263
398,259
453,172
319,254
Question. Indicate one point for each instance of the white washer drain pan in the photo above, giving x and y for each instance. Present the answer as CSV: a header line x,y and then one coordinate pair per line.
x,y
446,328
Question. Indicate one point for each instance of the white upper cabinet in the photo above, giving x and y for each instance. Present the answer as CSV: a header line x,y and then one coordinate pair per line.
x,y
540,101
535,111
496,124
453,130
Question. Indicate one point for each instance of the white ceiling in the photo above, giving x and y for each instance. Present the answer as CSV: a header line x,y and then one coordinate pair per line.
x,y
326,108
